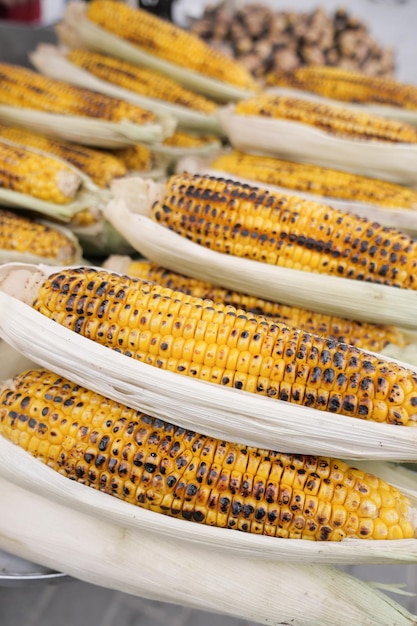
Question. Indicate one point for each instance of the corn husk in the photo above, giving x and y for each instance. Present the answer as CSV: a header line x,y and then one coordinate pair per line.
x,y
385,110
89,194
129,212
300,142
217,411
51,61
12,362
9,256
24,470
100,552
75,27
87,131
401,218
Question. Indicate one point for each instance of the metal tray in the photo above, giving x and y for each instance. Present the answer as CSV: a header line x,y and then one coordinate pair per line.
x,y
16,571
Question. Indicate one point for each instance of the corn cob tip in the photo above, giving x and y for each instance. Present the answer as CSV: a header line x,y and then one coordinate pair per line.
x,y
22,281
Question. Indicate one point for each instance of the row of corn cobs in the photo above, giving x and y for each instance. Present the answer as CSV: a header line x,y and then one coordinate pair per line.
x,y
290,212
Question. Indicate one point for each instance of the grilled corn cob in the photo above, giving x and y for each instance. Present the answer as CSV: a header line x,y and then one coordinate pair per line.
x,y
20,234
37,175
245,221
158,466
137,158
139,80
348,86
25,88
360,334
332,119
316,180
180,139
168,41
102,167
220,344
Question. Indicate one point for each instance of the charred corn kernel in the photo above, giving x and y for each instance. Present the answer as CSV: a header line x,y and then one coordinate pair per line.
x,y
158,466
318,180
346,85
137,158
168,41
361,334
241,220
23,234
118,312
187,140
43,177
139,80
100,166
334,119
22,87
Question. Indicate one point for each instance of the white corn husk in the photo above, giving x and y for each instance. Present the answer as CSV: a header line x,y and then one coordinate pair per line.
x,y
24,470
89,194
295,141
10,256
401,218
129,212
51,61
143,564
398,113
87,131
217,411
76,27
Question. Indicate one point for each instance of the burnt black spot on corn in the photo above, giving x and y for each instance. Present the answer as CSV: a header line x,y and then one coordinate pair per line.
x,y
348,86
139,80
272,227
313,179
102,167
167,469
22,87
226,346
22,234
361,334
38,175
334,119
168,41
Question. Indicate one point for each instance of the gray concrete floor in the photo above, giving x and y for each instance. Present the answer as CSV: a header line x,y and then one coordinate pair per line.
x,y
76,603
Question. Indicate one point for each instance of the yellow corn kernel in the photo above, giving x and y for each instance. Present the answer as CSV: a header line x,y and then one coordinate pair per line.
x,y
158,466
139,80
168,41
332,119
23,234
22,87
92,302
347,85
361,334
102,167
242,220
324,182
43,177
